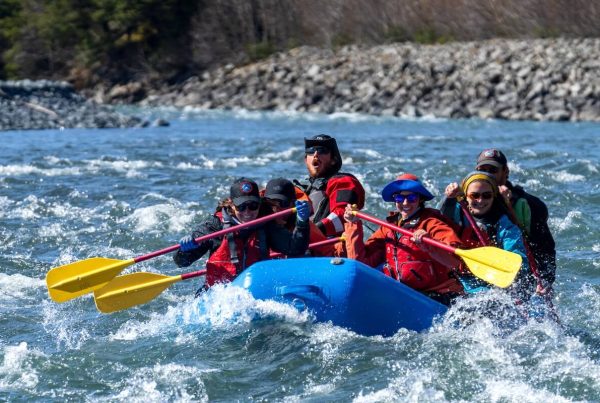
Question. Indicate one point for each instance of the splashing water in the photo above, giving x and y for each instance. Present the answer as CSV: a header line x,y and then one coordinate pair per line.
x,y
73,194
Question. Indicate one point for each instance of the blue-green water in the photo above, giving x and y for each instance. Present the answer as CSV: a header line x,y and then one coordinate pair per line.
x,y
73,194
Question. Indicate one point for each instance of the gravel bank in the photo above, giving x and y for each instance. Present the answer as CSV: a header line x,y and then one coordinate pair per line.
x,y
50,105
552,79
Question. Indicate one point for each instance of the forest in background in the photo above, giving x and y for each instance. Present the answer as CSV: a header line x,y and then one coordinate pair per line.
x,y
117,41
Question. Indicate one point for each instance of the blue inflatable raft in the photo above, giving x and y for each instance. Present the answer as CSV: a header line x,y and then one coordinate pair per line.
x,y
344,292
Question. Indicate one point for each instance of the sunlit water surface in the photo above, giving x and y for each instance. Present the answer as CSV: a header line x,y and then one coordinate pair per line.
x,y
73,194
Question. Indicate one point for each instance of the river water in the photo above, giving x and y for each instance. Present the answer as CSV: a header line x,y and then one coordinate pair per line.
x,y
73,194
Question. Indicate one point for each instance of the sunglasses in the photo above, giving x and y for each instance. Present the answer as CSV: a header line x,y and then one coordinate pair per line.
x,y
317,149
477,195
248,205
277,203
489,169
412,198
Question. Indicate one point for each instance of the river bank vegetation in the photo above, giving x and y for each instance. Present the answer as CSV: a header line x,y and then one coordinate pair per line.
x,y
117,41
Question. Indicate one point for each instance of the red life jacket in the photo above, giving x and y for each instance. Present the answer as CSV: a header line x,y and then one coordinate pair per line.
x,y
411,265
408,263
222,268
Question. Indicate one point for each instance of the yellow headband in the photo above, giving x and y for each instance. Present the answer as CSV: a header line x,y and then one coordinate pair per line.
x,y
479,177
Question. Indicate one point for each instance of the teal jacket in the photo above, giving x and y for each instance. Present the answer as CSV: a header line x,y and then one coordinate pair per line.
x,y
505,235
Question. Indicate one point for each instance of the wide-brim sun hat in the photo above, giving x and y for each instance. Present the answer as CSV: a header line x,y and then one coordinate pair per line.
x,y
405,183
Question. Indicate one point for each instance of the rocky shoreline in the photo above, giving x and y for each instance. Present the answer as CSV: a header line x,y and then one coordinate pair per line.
x,y
47,104
549,79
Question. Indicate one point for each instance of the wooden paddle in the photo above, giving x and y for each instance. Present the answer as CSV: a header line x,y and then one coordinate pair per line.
x,y
74,279
494,265
138,288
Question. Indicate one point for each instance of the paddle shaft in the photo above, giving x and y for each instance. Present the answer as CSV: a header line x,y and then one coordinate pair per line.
x,y
219,233
193,274
533,265
465,209
386,224
313,245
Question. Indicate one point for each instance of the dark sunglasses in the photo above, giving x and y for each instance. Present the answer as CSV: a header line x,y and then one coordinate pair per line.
x,y
248,205
317,149
477,195
489,169
413,197
277,202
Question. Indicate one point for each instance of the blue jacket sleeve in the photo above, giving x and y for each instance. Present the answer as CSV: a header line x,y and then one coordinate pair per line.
x,y
208,226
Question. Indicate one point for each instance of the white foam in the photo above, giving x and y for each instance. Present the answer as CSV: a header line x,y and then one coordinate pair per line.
x,y
152,219
372,154
518,391
5,202
564,176
155,384
533,184
16,287
590,166
428,138
17,371
227,305
68,331
122,165
284,155
185,166
224,307
557,224
21,170
514,167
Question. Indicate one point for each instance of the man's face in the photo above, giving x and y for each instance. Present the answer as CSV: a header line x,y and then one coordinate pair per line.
x,y
500,174
318,161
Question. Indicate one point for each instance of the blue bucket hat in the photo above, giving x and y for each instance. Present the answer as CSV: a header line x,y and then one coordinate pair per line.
x,y
405,183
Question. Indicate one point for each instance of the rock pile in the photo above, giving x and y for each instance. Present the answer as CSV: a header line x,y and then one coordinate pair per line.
x,y
49,105
550,79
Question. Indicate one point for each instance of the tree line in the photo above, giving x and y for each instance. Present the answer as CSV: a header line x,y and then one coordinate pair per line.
x,y
90,41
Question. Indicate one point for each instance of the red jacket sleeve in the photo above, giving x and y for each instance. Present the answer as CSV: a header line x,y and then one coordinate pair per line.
x,y
341,190
439,229
372,252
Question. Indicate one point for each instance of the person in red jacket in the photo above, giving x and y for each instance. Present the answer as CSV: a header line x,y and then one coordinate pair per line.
x,y
328,189
232,253
407,259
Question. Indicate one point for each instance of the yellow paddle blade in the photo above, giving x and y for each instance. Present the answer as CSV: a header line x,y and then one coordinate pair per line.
x,y
74,279
494,265
131,290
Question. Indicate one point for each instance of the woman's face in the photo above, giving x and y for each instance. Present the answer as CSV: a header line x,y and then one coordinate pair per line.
x,y
407,203
247,211
480,197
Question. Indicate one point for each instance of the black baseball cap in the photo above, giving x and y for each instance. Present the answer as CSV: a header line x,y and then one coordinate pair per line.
x,y
280,189
324,140
244,190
